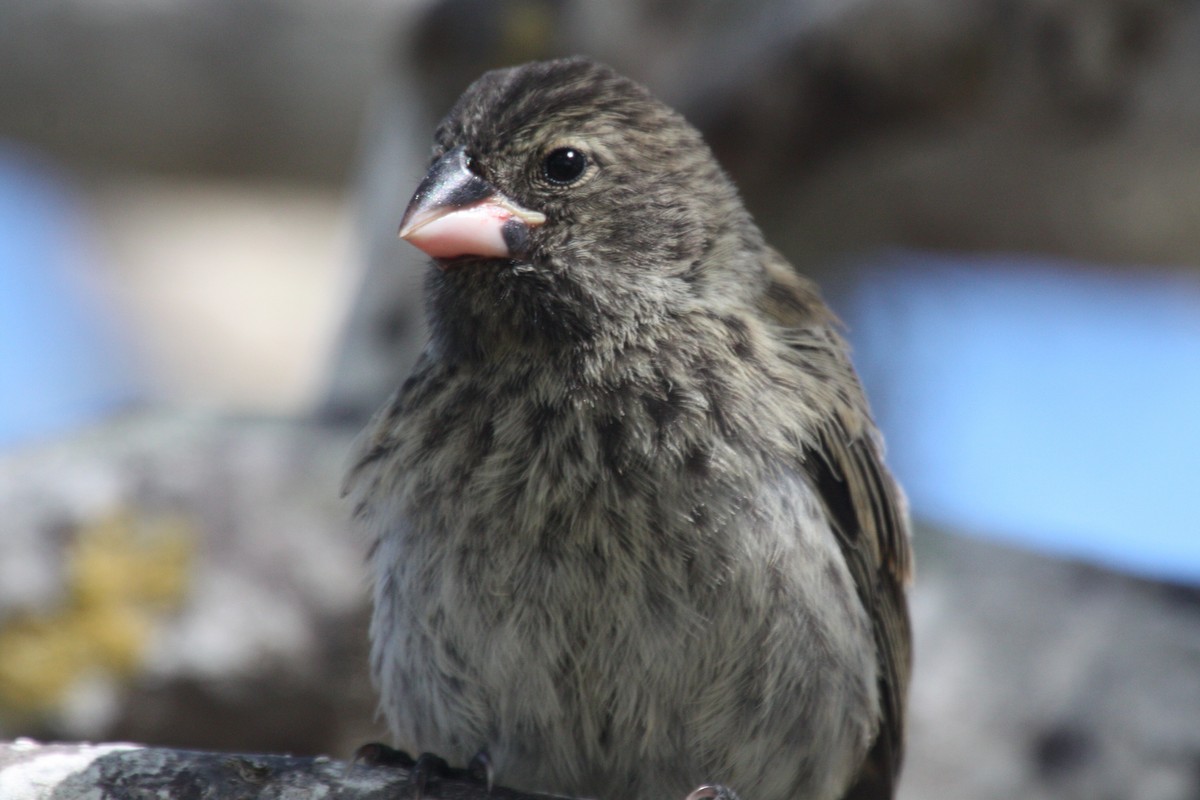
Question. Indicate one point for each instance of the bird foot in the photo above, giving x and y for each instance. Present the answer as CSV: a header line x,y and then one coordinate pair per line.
x,y
426,770
377,754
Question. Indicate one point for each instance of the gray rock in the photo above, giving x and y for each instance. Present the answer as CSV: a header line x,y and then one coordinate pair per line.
x,y
185,581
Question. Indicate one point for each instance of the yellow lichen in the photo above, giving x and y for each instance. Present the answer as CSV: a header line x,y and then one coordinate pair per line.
x,y
123,573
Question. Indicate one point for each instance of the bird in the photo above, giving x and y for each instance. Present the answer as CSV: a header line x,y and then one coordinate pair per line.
x,y
630,527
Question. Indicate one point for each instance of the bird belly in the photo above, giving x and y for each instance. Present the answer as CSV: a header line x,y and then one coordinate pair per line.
x,y
636,657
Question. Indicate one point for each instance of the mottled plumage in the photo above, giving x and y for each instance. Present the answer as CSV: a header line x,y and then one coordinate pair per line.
x,y
632,531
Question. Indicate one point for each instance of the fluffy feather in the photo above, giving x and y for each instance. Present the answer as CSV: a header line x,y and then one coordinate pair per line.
x,y
632,528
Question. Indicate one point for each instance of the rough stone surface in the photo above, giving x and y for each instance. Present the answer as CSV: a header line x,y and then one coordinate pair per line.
x,y
1039,678
33,771
184,580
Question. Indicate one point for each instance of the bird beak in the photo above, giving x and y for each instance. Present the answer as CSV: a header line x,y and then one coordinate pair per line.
x,y
456,213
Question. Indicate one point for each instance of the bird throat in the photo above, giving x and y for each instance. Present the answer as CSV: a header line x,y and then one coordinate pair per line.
x,y
484,309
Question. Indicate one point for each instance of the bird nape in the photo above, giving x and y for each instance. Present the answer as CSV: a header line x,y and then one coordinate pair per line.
x,y
632,532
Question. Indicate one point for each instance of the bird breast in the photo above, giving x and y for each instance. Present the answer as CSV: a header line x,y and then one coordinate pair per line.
x,y
547,556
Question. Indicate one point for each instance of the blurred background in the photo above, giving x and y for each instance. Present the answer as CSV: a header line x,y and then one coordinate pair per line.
x,y
202,300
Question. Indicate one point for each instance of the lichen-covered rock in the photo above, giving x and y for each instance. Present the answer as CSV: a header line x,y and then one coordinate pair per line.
x,y
185,580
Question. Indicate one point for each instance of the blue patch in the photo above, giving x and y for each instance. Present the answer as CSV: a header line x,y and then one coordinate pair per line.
x,y
59,365
1053,404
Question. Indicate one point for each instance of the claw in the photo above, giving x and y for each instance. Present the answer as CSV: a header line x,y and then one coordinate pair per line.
x,y
712,791
480,769
426,772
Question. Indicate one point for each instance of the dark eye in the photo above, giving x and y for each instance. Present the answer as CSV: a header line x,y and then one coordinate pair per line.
x,y
564,165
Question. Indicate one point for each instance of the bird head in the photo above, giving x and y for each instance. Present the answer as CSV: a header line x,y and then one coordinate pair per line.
x,y
563,200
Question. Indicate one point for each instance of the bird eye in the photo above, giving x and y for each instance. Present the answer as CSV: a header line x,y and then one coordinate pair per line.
x,y
564,165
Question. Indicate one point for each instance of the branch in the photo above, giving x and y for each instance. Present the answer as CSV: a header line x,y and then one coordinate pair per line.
x,y
73,771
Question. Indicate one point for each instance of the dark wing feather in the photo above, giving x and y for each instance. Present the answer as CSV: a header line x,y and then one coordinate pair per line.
x,y
866,508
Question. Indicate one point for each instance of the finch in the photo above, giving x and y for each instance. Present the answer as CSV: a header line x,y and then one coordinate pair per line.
x,y
631,530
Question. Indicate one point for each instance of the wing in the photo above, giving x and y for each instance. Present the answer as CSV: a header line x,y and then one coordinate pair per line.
x,y
865,506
